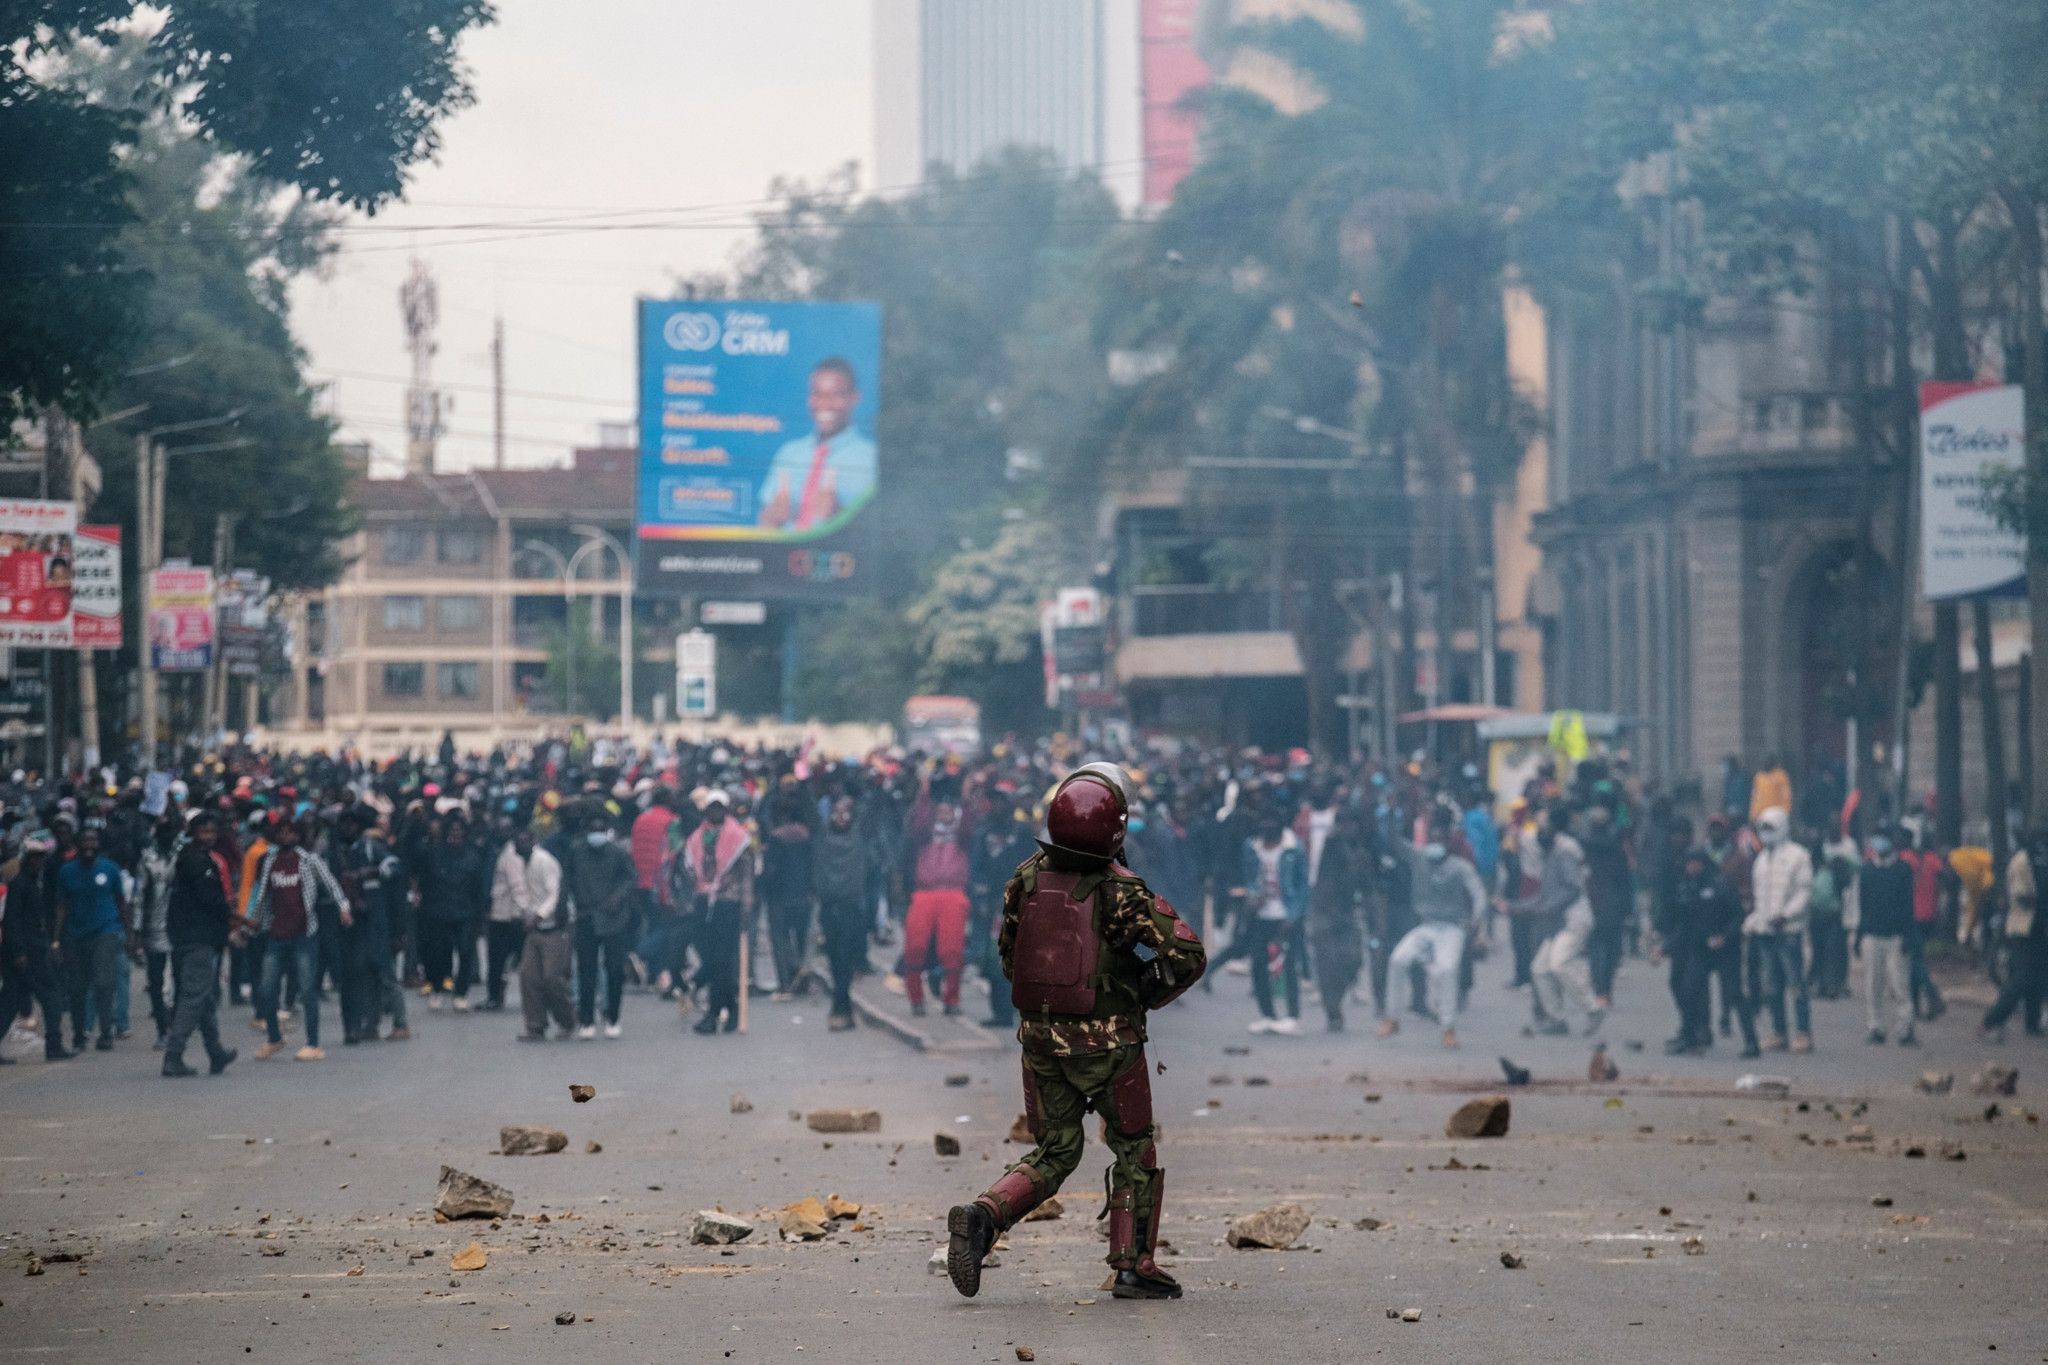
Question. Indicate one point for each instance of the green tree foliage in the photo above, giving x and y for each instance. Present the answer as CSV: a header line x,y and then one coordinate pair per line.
x,y
977,622
336,98
582,676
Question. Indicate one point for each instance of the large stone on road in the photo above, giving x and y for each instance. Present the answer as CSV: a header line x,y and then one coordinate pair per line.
x,y
525,1139
717,1228
462,1195
844,1121
1484,1117
1273,1229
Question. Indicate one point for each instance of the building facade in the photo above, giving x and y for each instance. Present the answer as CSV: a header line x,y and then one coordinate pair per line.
x,y
455,584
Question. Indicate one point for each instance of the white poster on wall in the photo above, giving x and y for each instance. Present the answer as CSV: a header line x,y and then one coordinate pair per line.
x,y
1970,436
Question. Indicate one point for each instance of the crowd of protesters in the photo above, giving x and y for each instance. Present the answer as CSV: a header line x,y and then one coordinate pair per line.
x,y
702,874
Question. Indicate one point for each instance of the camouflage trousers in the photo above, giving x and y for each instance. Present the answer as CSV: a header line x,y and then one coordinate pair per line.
x,y
1058,1093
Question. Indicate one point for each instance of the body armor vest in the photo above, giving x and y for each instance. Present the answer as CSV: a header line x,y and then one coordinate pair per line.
x,y
1054,963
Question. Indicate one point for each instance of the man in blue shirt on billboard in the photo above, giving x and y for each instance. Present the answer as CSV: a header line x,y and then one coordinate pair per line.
x,y
815,478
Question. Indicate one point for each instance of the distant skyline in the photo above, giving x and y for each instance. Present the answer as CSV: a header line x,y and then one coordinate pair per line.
x,y
591,123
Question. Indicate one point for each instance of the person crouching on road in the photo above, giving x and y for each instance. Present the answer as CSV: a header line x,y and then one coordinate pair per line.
x,y
292,884
1088,949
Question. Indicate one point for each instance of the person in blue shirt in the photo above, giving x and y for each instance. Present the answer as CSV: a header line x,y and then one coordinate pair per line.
x,y
816,480
92,927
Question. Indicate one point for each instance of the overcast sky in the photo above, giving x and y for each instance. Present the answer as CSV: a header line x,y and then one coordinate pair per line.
x,y
584,107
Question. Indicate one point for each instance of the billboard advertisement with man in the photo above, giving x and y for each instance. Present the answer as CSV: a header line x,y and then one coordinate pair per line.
x,y
757,445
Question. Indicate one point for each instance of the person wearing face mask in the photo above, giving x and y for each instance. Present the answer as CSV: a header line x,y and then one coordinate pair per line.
x,y
1449,898
940,843
600,882
1884,924
1560,965
1781,882
718,863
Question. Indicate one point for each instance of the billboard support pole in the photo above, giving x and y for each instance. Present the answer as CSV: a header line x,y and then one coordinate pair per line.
x,y
149,487
789,646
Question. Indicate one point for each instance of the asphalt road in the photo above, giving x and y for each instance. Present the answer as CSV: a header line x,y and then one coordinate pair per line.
x,y
179,1195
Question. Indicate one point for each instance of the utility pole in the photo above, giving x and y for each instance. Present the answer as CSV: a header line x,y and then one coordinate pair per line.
x,y
88,681
217,676
149,553
498,393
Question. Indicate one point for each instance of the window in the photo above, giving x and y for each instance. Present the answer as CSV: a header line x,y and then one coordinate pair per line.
x,y
459,680
405,680
464,545
459,613
405,613
404,545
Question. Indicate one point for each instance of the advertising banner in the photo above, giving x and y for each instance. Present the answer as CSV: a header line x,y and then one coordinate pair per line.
x,y
1970,435
181,620
1172,69
36,570
696,675
757,446
242,616
96,594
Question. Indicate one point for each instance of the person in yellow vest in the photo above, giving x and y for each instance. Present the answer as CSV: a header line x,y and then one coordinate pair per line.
x,y
1771,787
1972,867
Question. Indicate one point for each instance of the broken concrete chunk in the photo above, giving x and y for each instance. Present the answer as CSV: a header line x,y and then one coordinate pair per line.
x,y
957,1081
835,1207
740,1104
937,1264
1693,1246
592,1147
844,1120
1026,1353
717,1228
805,1220
524,1139
1993,1079
1484,1117
1274,1229
471,1257
1411,1315
1020,1131
1937,1082
583,1094
1510,1261
565,1319
462,1195
945,1144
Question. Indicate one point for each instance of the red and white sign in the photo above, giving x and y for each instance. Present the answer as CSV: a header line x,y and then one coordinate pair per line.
x,y
1970,436
1171,69
36,568
96,594
181,619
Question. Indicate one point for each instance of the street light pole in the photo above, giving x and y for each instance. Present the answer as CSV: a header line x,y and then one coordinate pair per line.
x,y
598,535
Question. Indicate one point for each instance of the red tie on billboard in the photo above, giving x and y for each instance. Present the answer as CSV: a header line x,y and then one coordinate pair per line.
x,y
808,511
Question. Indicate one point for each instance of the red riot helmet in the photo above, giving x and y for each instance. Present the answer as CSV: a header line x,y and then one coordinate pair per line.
x,y
1086,819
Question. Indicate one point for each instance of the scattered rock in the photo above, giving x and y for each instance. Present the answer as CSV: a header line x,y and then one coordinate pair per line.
x,y
1274,1229
583,1094
521,1139
1764,1085
1257,1080
1510,1261
273,1250
1693,1246
565,1319
945,1144
355,1272
1052,1208
958,1082
35,1265
471,1257
1369,1224
803,1221
1020,1131
1026,1353
462,1195
1917,1152
1411,1315
717,1228
1236,1050
1880,1201
936,1265
1600,1068
1484,1117
740,1104
837,1208
1859,1132
1937,1082
1222,1078
1993,1079
592,1147
844,1120
1372,1097
1517,1075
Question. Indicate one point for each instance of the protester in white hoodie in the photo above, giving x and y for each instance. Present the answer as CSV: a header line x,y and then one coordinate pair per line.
x,y
1781,880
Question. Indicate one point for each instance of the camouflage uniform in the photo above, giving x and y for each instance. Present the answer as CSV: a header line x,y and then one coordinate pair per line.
x,y
1075,1063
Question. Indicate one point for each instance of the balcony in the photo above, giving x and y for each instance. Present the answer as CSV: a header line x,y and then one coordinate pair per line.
x,y
1200,609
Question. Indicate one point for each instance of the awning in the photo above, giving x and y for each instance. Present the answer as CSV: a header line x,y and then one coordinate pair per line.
x,y
1453,713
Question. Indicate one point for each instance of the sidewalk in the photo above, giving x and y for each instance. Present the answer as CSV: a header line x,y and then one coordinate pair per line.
x,y
879,1007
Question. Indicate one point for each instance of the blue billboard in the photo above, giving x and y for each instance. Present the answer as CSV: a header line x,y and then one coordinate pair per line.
x,y
757,445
